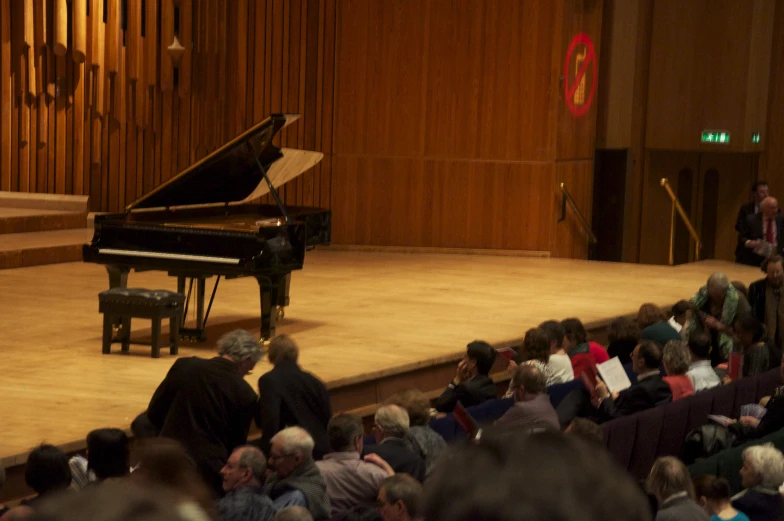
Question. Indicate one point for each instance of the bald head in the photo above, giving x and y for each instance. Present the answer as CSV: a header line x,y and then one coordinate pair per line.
x,y
769,207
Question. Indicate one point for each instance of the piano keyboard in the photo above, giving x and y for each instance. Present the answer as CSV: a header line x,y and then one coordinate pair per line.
x,y
176,256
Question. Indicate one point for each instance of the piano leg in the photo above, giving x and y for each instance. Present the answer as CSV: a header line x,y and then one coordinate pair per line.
x,y
269,288
283,292
118,276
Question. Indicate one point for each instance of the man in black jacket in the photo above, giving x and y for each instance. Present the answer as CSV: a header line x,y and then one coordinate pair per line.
x,y
471,385
207,405
766,226
289,396
391,426
759,191
649,391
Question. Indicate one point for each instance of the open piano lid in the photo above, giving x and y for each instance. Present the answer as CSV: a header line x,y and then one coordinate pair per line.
x,y
230,175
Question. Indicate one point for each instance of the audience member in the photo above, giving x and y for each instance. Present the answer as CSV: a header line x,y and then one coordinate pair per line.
x,y
750,427
582,353
757,357
676,360
586,430
295,479
165,465
289,396
654,325
759,191
532,408
765,299
649,391
669,481
471,385
350,480
243,475
680,314
207,405
535,351
717,306
46,472
623,336
560,365
759,235
420,438
108,456
391,427
713,495
544,476
649,314
293,513
400,498
761,476
700,372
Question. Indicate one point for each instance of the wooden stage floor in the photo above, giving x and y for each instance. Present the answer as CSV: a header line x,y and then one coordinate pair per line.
x,y
357,316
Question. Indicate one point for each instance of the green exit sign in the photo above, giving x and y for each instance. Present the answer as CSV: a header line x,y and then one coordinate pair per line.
x,y
715,136
756,137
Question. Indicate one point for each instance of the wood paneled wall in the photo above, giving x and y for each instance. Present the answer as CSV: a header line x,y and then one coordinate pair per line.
x,y
117,118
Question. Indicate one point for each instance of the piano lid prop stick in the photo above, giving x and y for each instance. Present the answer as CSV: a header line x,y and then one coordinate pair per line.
x,y
61,27
79,26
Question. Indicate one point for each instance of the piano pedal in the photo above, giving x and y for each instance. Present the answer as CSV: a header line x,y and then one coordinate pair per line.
x,y
280,313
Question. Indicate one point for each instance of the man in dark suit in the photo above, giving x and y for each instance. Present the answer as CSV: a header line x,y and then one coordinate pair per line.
x,y
289,396
391,426
765,226
649,391
471,385
207,405
759,191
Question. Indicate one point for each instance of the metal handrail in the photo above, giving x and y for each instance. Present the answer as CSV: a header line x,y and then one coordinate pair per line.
x,y
567,197
676,206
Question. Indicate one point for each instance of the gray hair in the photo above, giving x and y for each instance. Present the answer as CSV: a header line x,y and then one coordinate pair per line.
x,y
283,347
719,281
296,439
239,344
293,513
393,419
677,357
252,458
768,462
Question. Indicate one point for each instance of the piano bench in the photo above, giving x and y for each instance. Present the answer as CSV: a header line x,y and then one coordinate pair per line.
x,y
122,304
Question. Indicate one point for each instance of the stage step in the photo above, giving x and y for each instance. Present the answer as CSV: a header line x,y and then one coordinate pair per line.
x,y
26,220
18,250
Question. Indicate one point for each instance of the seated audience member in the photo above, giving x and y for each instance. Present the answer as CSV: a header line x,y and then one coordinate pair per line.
x,y
700,372
765,298
761,476
391,427
680,314
586,430
751,428
192,403
295,479
649,391
764,227
293,514
759,192
582,353
654,325
165,466
713,495
471,385
535,351
560,365
717,306
350,480
757,356
532,408
495,480
108,456
676,360
399,498
670,482
289,396
623,335
242,478
420,438
47,473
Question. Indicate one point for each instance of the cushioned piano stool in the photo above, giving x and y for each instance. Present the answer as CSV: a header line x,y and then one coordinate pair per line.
x,y
122,304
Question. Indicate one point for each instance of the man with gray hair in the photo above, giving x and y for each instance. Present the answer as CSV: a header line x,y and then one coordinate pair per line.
x,y
207,405
532,408
762,475
670,482
391,427
350,480
295,480
242,478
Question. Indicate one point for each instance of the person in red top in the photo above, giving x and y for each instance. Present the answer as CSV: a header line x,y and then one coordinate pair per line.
x,y
676,360
582,353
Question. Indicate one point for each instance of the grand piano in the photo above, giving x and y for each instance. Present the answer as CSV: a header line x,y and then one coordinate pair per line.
x,y
202,224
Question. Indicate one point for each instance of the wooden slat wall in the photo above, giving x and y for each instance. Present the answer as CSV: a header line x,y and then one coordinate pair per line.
x,y
116,124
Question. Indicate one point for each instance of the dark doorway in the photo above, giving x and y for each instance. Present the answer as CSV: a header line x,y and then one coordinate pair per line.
x,y
609,189
710,203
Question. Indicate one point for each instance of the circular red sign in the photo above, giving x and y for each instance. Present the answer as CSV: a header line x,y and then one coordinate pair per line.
x,y
589,59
